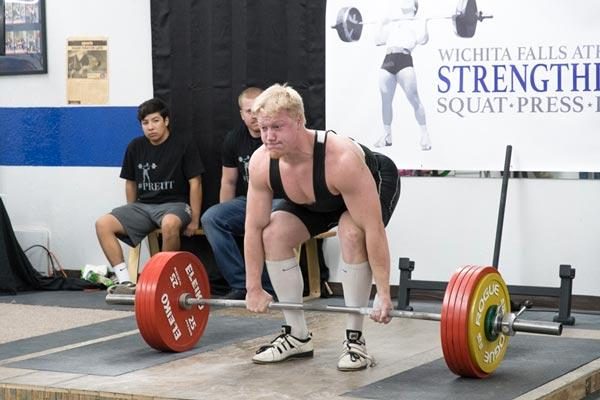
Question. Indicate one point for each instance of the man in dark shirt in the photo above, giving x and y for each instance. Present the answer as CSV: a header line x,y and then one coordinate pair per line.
x,y
163,188
224,222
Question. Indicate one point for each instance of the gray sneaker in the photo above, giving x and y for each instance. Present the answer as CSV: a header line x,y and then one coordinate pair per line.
x,y
283,347
122,288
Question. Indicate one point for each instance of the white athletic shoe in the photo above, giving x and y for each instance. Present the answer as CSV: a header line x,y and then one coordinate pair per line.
x,y
384,140
283,347
354,357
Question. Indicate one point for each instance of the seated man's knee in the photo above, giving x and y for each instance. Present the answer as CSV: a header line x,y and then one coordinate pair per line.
x,y
106,224
209,218
170,225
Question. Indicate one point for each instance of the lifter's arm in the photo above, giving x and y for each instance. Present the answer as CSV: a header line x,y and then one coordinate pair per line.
x,y
258,214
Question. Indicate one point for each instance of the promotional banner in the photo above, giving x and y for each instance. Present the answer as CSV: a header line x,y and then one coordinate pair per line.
x,y
440,84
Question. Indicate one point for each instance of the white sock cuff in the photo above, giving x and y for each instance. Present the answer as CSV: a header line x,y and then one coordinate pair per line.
x,y
122,272
120,267
282,265
361,265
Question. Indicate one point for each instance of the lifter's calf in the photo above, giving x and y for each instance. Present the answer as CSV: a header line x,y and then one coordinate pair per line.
x,y
107,228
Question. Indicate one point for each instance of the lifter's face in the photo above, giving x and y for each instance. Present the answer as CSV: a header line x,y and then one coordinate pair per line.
x,y
156,128
278,132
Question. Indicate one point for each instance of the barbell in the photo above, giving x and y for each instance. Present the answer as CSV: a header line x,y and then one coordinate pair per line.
x,y
172,303
349,22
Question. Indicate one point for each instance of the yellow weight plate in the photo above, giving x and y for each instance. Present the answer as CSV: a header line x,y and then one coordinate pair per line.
x,y
486,347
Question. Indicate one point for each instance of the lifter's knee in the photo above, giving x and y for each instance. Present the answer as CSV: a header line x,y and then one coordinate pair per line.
x,y
352,241
278,245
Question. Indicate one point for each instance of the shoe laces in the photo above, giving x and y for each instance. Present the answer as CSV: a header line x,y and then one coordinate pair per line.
x,y
281,342
356,349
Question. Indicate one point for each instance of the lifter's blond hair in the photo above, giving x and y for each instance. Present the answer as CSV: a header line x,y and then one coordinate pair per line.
x,y
279,98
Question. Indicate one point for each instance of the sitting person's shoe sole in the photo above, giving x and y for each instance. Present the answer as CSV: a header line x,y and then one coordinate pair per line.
x,y
284,347
122,288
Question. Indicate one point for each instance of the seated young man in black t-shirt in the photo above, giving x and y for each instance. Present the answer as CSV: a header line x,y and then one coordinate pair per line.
x,y
163,188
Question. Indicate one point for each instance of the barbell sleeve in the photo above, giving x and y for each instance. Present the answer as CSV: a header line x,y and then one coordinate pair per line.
x,y
124,299
541,327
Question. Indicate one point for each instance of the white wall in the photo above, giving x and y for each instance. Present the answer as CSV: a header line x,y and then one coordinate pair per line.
x,y
441,223
67,200
126,24
444,223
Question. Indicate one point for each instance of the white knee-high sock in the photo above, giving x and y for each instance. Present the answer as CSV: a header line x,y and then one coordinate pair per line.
x,y
286,279
356,282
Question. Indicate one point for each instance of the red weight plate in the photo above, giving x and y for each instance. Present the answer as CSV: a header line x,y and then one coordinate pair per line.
x,y
446,321
455,327
165,325
140,309
144,298
448,345
470,369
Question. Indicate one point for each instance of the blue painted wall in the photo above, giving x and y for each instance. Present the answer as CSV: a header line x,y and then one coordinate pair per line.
x,y
66,136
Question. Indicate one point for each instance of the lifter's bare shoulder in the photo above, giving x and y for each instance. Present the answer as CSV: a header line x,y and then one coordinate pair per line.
x,y
259,166
344,158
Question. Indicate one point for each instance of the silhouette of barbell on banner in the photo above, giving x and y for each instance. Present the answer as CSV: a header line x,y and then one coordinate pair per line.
x,y
349,22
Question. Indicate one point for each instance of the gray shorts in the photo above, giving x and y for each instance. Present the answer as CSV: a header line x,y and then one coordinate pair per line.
x,y
139,219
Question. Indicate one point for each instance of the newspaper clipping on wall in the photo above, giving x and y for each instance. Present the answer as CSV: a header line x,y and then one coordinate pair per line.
x,y
87,70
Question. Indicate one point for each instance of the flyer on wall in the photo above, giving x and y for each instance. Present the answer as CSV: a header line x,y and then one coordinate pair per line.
x,y
87,70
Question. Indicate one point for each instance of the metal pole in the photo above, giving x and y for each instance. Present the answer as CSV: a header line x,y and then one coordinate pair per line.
x,y
503,192
188,300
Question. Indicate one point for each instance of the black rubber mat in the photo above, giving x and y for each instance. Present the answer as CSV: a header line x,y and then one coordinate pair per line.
x,y
94,299
66,337
131,353
530,362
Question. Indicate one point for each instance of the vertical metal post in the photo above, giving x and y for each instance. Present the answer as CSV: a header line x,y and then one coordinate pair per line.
x,y
406,267
2,29
567,274
502,206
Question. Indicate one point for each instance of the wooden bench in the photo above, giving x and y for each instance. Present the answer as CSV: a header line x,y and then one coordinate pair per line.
x,y
312,259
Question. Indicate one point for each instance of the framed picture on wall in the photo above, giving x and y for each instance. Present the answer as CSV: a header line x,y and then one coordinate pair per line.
x,y
23,37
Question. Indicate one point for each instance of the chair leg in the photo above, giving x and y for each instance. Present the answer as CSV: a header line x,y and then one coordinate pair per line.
x,y
153,247
314,273
133,262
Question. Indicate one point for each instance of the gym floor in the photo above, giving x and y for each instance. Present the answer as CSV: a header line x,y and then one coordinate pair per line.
x,y
72,345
